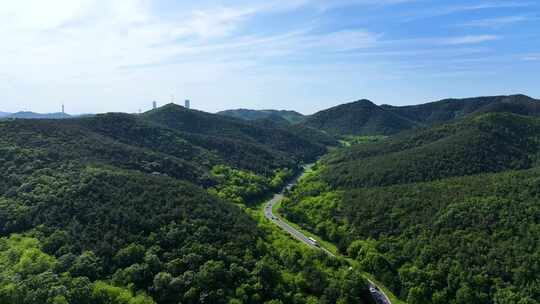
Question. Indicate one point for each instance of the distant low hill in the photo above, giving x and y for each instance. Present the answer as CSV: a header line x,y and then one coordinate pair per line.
x,y
33,115
4,114
292,117
362,117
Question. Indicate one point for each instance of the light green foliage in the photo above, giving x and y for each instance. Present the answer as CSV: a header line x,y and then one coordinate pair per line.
x,y
244,187
105,293
280,177
29,276
356,140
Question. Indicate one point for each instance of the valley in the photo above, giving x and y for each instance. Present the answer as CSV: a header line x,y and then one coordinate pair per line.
x,y
182,205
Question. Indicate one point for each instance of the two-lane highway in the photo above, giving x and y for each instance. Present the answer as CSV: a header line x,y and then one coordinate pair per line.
x,y
378,295
297,234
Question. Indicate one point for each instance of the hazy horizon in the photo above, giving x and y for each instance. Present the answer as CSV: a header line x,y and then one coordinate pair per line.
x,y
149,107
301,55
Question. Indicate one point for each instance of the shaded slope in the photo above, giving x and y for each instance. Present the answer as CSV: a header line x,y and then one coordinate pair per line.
x,y
487,143
358,118
217,126
292,117
450,109
29,145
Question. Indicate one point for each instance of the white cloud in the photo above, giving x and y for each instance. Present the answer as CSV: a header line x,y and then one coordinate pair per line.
x,y
448,10
471,39
532,57
495,22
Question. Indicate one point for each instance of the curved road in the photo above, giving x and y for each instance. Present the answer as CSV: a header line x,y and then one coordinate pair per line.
x,y
378,295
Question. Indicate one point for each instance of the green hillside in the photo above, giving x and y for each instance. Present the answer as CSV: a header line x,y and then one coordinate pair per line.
x,y
450,109
122,209
447,214
291,117
485,143
213,127
459,240
358,118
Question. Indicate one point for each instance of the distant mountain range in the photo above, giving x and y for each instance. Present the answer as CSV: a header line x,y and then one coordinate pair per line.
x,y
363,117
33,115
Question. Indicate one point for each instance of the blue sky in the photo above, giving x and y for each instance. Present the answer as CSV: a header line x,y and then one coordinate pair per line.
x,y
306,55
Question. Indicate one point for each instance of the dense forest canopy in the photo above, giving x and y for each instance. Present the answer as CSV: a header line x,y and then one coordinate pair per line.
x,y
363,117
159,207
122,209
448,214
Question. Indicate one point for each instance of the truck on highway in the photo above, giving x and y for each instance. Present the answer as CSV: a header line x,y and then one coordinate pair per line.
x,y
313,241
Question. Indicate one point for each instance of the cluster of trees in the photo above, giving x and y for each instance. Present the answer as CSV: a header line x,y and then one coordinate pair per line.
x,y
487,143
28,276
118,209
99,236
246,188
436,239
211,126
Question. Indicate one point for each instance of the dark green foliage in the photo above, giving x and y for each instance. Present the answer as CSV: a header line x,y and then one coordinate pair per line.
x,y
110,214
313,134
30,145
471,238
365,118
450,109
486,143
467,239
168,238
358,118
212,126
291,117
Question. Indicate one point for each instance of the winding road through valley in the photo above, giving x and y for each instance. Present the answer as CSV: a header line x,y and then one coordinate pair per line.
x,y
378,295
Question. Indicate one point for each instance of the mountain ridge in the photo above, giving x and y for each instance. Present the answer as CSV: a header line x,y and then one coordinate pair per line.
x,y
292,117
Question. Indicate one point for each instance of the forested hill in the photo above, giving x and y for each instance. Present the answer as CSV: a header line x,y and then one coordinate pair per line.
x,y
363,117
358,118
491,142
447,214
124,209
292,117
205,126
450,109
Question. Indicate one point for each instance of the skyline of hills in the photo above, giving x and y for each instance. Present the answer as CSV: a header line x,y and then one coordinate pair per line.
x,y
294,116
135,202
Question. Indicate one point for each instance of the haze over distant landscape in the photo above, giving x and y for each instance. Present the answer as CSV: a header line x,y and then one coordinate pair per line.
x,y
305,55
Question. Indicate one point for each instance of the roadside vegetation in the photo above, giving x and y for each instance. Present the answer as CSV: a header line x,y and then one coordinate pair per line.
x,y
440,239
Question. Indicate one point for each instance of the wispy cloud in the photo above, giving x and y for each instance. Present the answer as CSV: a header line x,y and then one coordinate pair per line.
x,y
496,22
471,39
454,9
532,57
